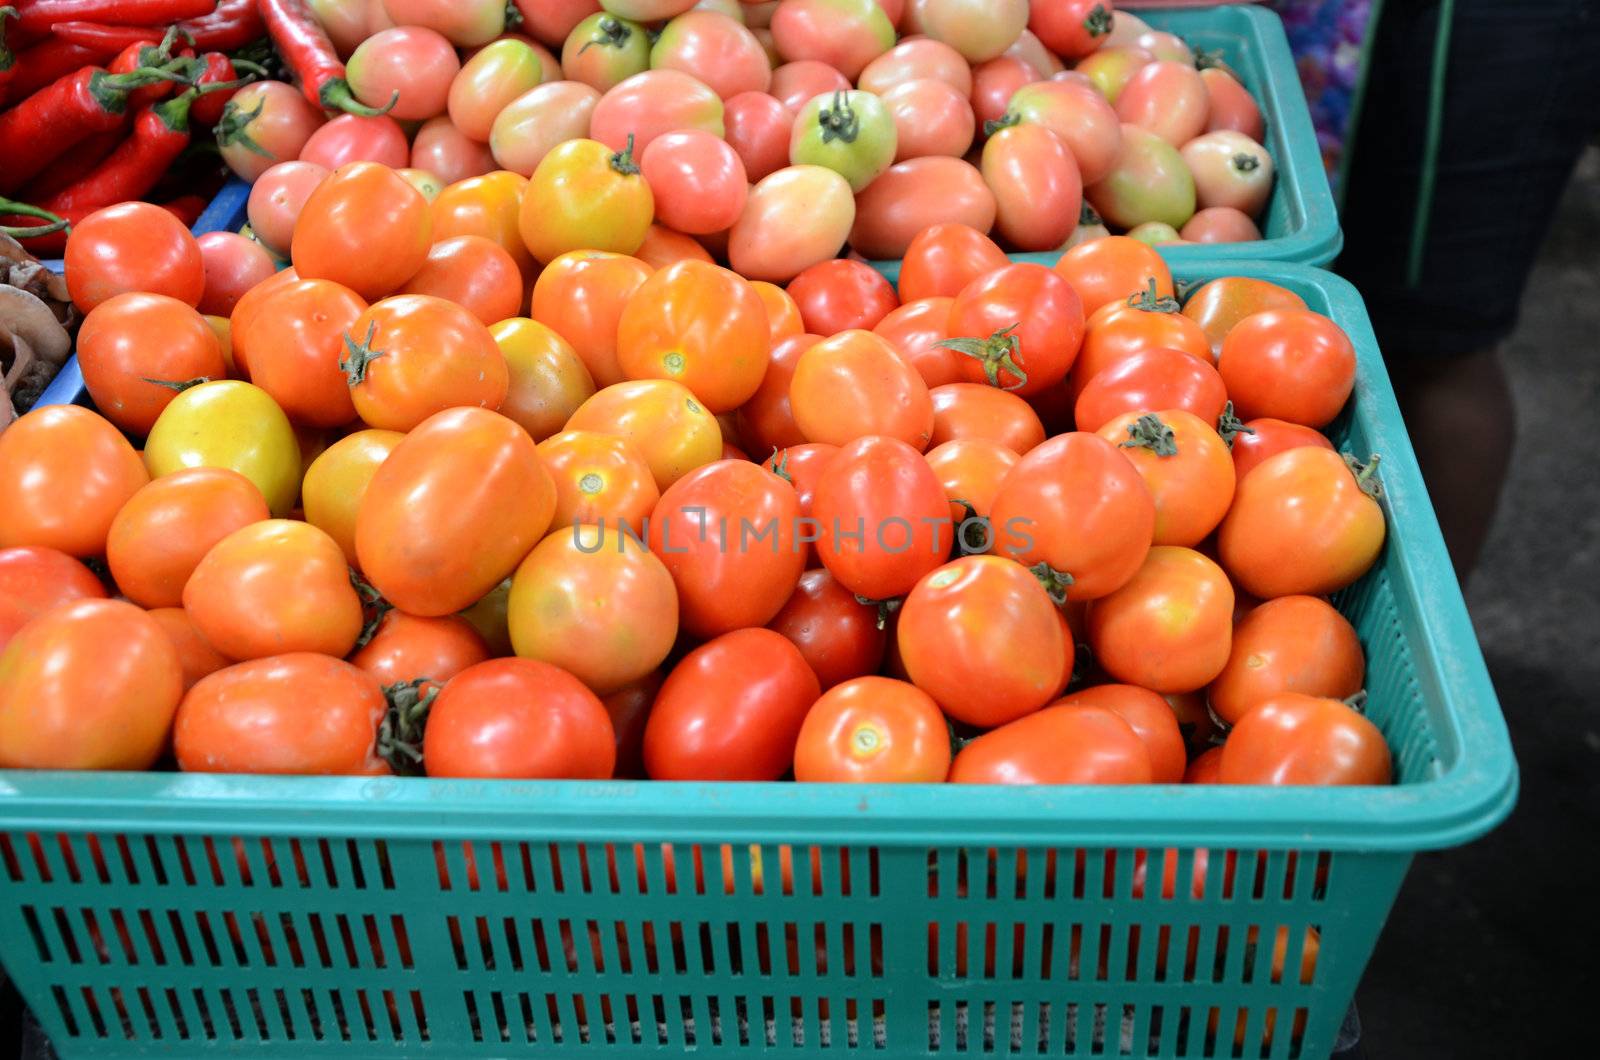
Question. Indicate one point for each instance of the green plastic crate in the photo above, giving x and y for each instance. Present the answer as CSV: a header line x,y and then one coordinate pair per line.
x,y
192,915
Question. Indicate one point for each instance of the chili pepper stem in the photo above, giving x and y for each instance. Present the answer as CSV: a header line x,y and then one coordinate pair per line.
x,y
338,95
54,223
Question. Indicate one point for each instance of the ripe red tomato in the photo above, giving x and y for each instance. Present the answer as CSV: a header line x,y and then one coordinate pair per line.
x,y
1151,379
837,634
365,228
33,580
64,474
982,637
803,465
873,730
766,421
600,479
1149,716
1113,268
757,125
413,648
915,194
296,342
1077,504
90,684
1185,463
474,272
518,719
1290,364
884,519
841,294
413,355
135,349
1205,769
132,246
1303,522
196,657
1291,644
296,713
1297,739
727,533
700,325
971,470
915,330
973,410
1219,305
944,258
854,384
1020,325
1057,745
1071,28
1170,627
452,511
731,710
1265,437
581,296
163,532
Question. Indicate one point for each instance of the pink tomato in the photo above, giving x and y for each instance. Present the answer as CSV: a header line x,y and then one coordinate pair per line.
x,y
551,20
917,60
536,122
1029,50
464,22
793,219
912,196
410,65
845,34
491,79
1230,169
358,138
979,29
1232,106
915,331
276,199
1110,69
233,265
1168,98
603,51
649,104
264,124
1126,28
647,10
698,182
1076,113
930,118
1220,224
757,126
798,83
448,153
1166,47
995,82
717,50
1038,192
1072,28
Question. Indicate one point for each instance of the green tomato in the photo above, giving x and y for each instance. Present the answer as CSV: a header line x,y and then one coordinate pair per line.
x,y
1155,233
604,50
233,425
851,133
1149,181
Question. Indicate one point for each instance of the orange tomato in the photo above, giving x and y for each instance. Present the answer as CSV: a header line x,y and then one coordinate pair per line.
x,y
700,325
671,429
64,474
1112,268
975,410
1185,463
1170,627
581,295
548,380
487,206
414,355
601,479
196,657
662,247
1149,716
337,480
409,647
297,336
134,349
363,227
873,730
854,384
971,470
166,529
1291,644
783,315
474,272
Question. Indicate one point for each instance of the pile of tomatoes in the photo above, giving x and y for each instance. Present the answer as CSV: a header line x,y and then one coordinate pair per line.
x,y
1002,523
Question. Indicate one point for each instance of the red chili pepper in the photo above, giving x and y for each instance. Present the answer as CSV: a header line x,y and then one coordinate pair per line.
x,y
77,162
218,68
47,62
98,33
305,46
186,208
8,61
232,25
36,15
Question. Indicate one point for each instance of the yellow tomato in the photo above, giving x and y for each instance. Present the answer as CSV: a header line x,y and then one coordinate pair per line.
x,y
548,378
234,425
584,196
337,480
673,431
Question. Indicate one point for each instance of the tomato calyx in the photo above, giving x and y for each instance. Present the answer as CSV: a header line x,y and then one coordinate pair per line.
x,y
1054,582
1150,432
1366,474
839,120
399,740
231,128
1148,301
1006,121
614,33
1245,163
373,608
623,161
1097,23
778,464
1231,426
1088,215
886,607
998,351
1357,701
513,15
354,366
177,386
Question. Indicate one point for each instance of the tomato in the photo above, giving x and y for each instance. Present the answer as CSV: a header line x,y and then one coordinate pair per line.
x,y
803,466
873,730
1154,378
548,381
337,480
837,634
697,180
1078,115
1302,522
930,118
233,265
1219,224
1232,107
664,246
352,138
474,272
518,719
581,296
1037,188
944,258
1071,28
602,51
1078,505
1119,330
699,325
132,246
1114,269
672,431
1230,169
1169,628
1020,326
971,470
651,103
979,29
1290,364
1185,463
33,580
232,425
409,66
293,713
276,199
595,602
982,637
196,657
794,84
1166,98
1111,68
488,616
792,219
783,314
363,227
851,133
919,59
1149,716
730,710
854,384
164,530
551,20
717,50
915,330
447,155
1167,47
1205,769
839,295
452,511
1291,644
1148,181
485,206
757,126
915,194
1264,437
264,124
766,422
1297,739
412,648
464,22
136,349
972,410
64,474
537,122
295,342
628,708
600,479
90,684
584,197
883,517
488,82
1220,304
845,34
412,355
1057,745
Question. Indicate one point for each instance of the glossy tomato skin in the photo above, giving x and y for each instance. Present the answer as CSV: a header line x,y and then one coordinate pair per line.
x,y
585,196
1185,463
629,707
33,580
365,228
547,379
1111,269
917,60
1149,716
1267,437
837,634
982,637
1170,628
652,103
671,429
1037,187
841,294
1117,331
1296,739
700,325
130,339
974,410
943,259
603,51
485,206
518,719
1220,304
90,684
854,384
132,246
64,473
294,713
413,355
914,194
1291,644
233,265
1155,378
1057,745
915,331
474,272
845,34
971,470
581,295
1045,320
697,181
413,648
233,425
537,122
161,534
766,421
297,337
601,479
873,730
803,465
357,138
931,117
1291,364
1071,28
792,219
1301,523
758,126
337,480
1079,115
731,710
1206,768
883,518
1079,505
728,533
196,657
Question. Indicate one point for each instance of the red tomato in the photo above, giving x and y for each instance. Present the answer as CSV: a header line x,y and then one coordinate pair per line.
x,y
873,730
296,341
731,710
629,707
1291,644
837,634
1071,28
845,34
1219,305
995,82
601,479
727,533
581,296
1020,325
413,648
1057,745
445,152
196,657
917,59
518,719
1185,463
930,118
1290,364
698,181
758,127
1205,769
841,294
132,246
1037,189
652,103
1295,739
233,264
34,580
700,325
1170,627
1155,378
982,637
414,355
1112,269
1265,437
915,330
766,421
853,385
272,122
137,349
884,519
914,194
1149,716
1119,330
64,475
364,227
475,273
1219,224
796,83
803,465
1168,98
1232,107
163,532
351,138
972,410
943,259
1078,505
971,470
90,684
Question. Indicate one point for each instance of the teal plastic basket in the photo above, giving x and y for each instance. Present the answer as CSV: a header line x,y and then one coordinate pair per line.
x,y
194,915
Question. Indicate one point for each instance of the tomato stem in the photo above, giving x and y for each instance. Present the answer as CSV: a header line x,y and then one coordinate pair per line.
x,y
1097,23
615,34
231,129
1055,582
1231,426
1149,301
778,464
354,366
839,120
998,351
1246,163
1150,432
1357,702
179,386
886,607
373,608
1005,121
400,733
1366,474
623,161
1088,215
